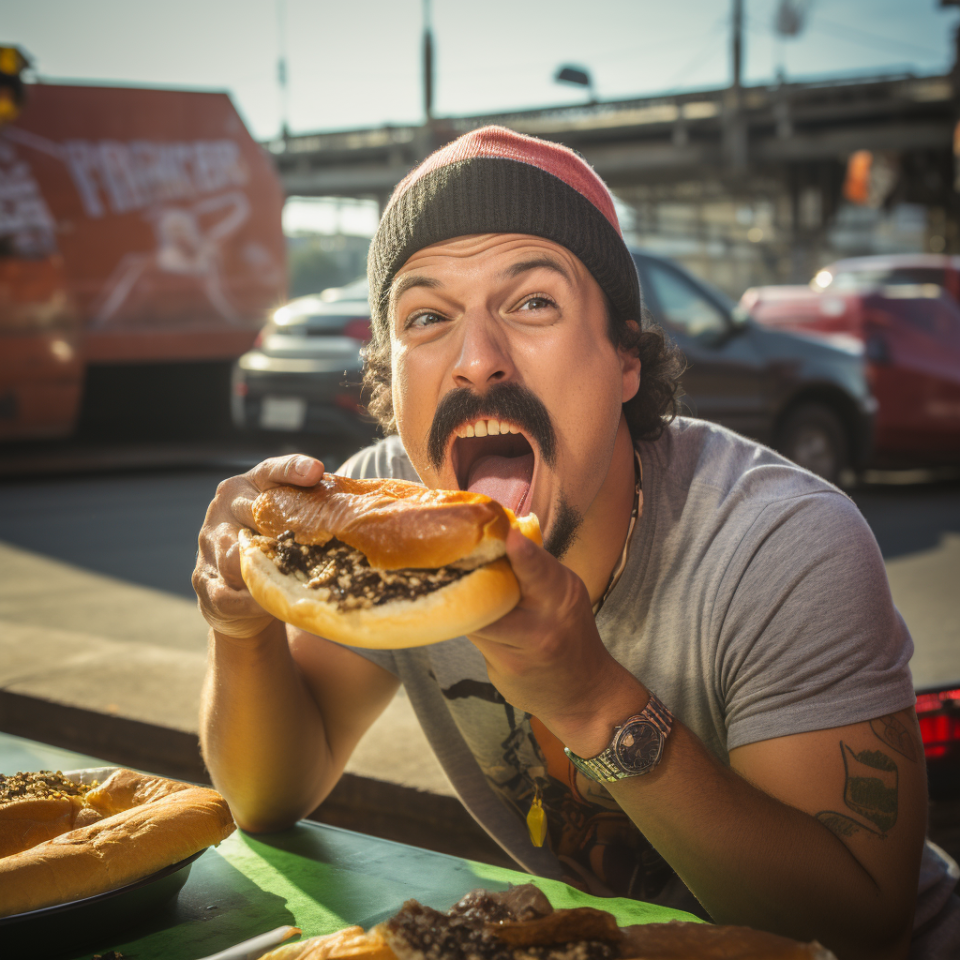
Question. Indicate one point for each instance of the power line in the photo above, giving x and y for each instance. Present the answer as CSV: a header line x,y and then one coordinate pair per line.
x,y
846,32
711,45
853,33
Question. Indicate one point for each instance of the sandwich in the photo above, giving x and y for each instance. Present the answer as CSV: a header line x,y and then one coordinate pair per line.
x,y
521,924
62,840
381,563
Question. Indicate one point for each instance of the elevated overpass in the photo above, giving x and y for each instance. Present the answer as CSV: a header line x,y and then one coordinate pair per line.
x,y
787,145
724,137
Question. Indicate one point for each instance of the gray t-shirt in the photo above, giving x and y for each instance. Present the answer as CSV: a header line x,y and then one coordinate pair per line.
x,y
754,603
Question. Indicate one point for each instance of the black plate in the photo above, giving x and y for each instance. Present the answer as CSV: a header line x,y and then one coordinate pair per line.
x,y
68,927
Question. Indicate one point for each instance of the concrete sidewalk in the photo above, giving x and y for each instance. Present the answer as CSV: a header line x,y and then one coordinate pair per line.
x,y
114,670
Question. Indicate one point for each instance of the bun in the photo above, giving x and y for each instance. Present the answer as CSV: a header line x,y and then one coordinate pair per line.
x,y
396,526
141,824
351,943
25,823
394,523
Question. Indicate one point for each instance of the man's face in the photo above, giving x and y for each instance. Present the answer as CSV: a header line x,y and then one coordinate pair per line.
x,y
505,381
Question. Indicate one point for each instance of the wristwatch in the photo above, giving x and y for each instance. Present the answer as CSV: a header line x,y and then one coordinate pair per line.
x,y
636,747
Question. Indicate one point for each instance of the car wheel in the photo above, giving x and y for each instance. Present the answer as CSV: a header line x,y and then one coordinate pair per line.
x,y
813,437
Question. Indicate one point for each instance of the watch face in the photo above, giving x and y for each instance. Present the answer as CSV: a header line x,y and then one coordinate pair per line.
x,y
638,746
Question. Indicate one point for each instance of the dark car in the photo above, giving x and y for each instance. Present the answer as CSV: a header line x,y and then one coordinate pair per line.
x,y
806,398
302,376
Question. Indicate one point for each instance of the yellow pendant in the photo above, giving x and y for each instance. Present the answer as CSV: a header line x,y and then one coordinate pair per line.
x,y
537,821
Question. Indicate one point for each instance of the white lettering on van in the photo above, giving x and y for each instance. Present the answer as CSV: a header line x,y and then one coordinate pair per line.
x,y
27,228
122,177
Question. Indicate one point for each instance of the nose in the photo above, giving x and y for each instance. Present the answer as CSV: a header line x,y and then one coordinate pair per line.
x,y
484,356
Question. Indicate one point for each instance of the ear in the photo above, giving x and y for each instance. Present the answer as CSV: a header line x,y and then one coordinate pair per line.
x,y
630,369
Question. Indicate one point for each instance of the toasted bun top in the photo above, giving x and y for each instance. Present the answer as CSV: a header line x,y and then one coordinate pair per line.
x,y
394,523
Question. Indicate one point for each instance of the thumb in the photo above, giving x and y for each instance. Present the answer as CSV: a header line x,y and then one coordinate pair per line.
x,y
530,562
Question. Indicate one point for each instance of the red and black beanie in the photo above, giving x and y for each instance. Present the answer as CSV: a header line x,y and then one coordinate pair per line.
x,y
493,180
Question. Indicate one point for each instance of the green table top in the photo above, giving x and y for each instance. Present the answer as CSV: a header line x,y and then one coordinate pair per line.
x,y
312,876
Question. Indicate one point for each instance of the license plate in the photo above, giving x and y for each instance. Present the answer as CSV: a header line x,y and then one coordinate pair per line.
x,y
283,413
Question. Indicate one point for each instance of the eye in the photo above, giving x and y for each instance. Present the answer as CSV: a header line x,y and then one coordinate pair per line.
x,y
419,321
536,302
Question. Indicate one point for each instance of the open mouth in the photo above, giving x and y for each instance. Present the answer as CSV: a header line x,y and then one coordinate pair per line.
x,y
496,459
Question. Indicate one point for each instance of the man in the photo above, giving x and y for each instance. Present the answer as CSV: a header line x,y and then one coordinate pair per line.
x,y
723,610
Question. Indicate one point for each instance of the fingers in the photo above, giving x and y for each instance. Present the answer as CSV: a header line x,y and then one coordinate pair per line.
x,y
299,470
223,596
228,609
552,599
540,574
227,555
526,558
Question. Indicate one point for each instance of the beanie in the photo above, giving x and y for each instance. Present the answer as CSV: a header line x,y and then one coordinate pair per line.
x,y
493,180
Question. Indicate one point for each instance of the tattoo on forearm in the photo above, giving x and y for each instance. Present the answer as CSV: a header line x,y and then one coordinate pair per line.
x,y
870,790
896,735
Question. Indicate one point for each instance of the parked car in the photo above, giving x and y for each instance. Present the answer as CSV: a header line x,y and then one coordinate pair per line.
x,y
806,398
857,274
907,322
302,376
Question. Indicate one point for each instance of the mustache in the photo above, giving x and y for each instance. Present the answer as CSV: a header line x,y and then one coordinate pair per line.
x,y
506,401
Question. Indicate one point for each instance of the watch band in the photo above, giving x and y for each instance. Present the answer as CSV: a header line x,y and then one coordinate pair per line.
x,y
606,766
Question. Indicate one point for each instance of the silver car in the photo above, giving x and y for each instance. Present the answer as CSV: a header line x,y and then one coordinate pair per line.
x,y
302,376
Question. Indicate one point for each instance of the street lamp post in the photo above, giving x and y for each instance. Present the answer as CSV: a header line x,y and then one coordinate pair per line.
x,y
427,63
578,76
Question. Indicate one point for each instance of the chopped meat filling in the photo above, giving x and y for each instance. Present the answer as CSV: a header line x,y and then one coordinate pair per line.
x,y
469,932
343,576
44,783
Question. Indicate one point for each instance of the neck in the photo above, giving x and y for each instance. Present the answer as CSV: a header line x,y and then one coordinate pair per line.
x,y
603,533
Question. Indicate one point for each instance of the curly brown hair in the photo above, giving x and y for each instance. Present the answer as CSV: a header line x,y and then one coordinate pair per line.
x,y
655,404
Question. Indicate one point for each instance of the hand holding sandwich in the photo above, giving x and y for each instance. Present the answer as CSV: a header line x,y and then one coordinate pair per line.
x,y
224,600
546,656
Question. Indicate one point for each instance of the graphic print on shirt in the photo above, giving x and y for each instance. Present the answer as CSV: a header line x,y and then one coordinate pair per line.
x,y
600,848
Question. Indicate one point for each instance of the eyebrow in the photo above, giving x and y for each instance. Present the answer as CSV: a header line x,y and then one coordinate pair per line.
x,y
407,282
411,280
538,263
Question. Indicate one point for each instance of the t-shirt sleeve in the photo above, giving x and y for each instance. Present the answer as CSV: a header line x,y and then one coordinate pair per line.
x,y
808,637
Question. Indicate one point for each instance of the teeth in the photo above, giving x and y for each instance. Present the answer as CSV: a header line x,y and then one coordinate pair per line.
x,y
486,428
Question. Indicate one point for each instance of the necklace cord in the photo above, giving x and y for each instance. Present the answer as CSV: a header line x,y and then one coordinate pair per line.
x,y
622,562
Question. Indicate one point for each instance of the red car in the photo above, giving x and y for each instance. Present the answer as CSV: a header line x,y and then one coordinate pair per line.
x,y
904,312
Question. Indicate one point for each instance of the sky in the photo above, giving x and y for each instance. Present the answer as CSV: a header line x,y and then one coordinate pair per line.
x,y
357,63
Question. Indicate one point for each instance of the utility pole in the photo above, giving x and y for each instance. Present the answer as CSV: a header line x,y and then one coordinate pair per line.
x,y
734,127
737,45
282,67
427,63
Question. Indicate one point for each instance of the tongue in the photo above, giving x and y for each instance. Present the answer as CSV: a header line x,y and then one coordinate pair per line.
x,y
504,479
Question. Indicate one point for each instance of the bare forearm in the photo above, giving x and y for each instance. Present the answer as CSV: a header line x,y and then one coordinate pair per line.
x,y
755,861
261,732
